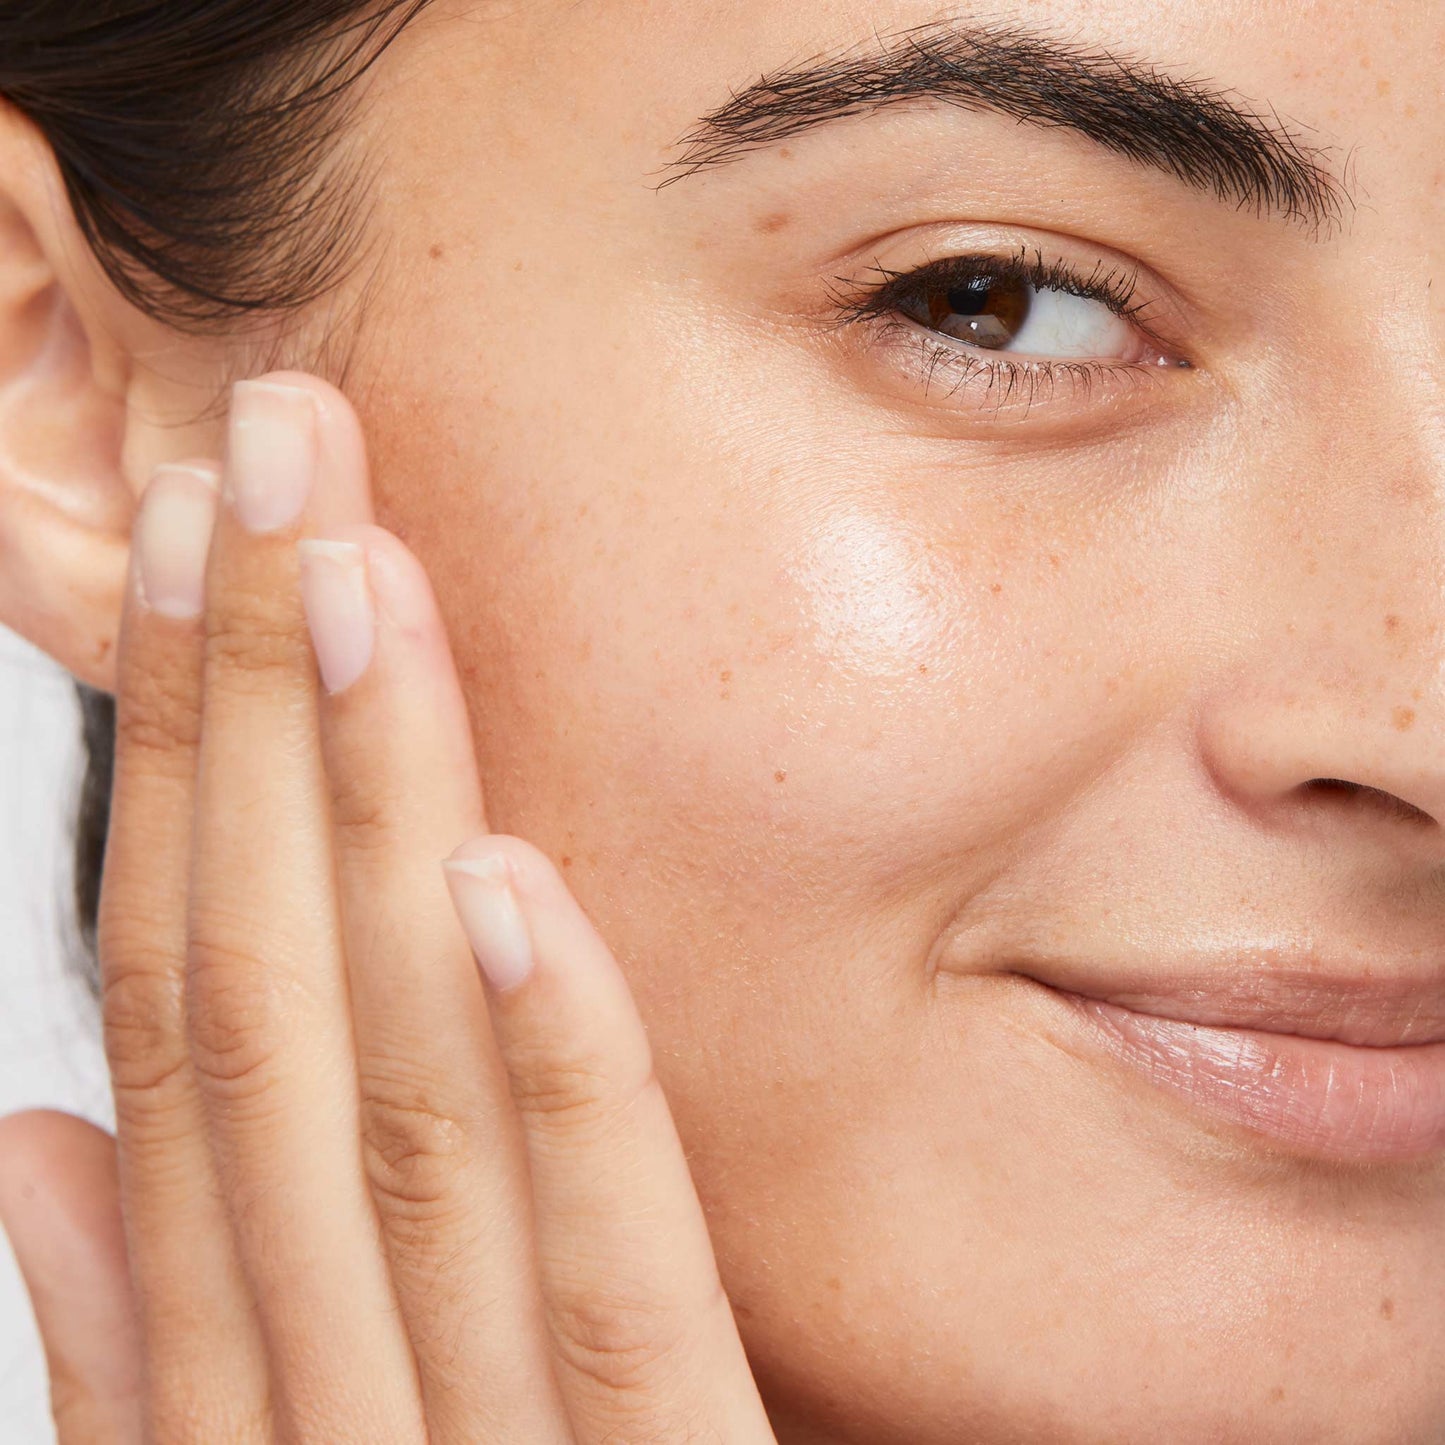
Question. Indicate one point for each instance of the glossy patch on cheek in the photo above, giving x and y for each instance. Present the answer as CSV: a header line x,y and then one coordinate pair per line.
x,y
881,599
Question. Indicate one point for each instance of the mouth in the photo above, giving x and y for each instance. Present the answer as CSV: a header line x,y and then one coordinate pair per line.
x,y
1345,1070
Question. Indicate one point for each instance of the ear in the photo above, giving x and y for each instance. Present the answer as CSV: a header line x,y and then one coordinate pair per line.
x,y
86,413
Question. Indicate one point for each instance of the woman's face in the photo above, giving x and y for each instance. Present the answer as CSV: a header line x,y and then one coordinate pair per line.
x,y
864,684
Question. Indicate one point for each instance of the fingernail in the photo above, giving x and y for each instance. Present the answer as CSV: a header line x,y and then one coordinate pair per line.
x,y
492,918
271,455
337,600
172,539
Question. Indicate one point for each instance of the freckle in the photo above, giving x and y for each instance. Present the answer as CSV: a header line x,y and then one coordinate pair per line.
x,y
1053,560
1387,1309
566,862
436,252
923,667
773,222
1277,1393
834,1282
785,152
517,266
725,675
1404,718
996,588
1392,622
1382,86
780,776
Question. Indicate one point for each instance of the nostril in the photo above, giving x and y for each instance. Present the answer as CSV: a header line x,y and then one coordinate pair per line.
x,y
1391,804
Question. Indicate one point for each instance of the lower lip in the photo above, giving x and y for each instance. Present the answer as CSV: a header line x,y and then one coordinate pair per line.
x,y
1320,1097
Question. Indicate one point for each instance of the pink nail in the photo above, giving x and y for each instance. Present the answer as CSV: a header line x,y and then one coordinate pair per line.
x,y
271,455
492,918
172,540
339,612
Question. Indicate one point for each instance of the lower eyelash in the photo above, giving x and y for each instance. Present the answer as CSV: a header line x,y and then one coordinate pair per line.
x,y
992,373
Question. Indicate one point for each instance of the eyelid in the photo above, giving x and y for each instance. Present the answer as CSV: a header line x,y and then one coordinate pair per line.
x,y
1170,316
1068,265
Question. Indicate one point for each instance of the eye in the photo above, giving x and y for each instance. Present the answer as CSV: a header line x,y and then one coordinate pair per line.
x,y
1013,329
1008,313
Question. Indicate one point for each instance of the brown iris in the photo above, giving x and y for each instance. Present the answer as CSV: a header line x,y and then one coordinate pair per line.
x,y
985,311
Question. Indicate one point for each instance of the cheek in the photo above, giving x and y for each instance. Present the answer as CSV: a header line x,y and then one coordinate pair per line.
x,y
798,717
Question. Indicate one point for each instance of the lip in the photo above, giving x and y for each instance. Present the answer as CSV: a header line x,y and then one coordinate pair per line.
x,y
1298,1082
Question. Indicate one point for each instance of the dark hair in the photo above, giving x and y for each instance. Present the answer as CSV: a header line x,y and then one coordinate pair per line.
x,y
198,144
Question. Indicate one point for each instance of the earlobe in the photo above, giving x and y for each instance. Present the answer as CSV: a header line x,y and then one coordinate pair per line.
x,y
80,425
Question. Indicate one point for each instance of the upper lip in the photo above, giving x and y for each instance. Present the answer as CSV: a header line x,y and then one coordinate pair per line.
x,y
1380,1003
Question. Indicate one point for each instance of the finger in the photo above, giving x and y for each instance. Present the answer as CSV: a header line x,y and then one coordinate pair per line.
x,y
441,1144
266,990
60,1205
193,1304
642,1329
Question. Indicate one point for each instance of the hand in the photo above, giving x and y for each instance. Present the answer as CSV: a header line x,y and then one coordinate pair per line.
x,y
365,1196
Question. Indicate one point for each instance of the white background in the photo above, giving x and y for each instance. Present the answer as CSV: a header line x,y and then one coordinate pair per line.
x,y
50,1052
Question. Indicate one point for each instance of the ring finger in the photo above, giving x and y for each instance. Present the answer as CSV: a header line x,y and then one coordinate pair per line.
x,y
266,983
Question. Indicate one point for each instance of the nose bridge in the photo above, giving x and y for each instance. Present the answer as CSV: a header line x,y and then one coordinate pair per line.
x,y
1337,670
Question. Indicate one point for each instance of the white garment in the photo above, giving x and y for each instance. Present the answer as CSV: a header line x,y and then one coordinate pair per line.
x,y
50,1047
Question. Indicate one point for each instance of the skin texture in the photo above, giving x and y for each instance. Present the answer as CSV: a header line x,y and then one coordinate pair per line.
x,y
828,695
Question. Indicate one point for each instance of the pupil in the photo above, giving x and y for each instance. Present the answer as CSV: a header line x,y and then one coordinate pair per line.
x,y
972,299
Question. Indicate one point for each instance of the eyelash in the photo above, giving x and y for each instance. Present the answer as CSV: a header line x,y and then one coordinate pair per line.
x,y
993,374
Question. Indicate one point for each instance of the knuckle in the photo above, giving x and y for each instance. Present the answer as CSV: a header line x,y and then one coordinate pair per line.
x,y
365,812
237,1009
158,713
249,642
580,1096
412,1148
621,1338
142,1020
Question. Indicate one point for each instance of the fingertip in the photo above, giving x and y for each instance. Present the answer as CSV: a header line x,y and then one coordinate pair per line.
x,y
528,868
54,1164
60,1207
557,921
398,583
343,489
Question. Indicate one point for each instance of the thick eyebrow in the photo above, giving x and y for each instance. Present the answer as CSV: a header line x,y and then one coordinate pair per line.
x,y
1204,136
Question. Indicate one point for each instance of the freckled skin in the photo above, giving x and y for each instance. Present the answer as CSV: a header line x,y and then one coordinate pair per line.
x,y
829,694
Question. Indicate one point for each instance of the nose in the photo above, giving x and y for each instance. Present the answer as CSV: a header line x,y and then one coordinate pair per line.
x,y
1338,740
1330,711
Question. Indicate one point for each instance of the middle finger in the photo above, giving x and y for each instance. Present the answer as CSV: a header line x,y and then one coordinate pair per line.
x,y
266,981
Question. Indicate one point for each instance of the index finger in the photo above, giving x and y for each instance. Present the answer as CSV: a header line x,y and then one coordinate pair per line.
x,y
643,1331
